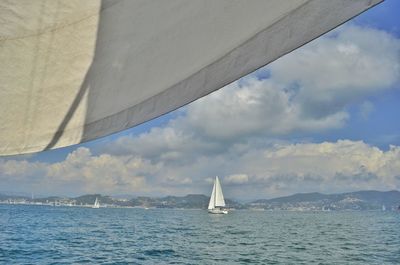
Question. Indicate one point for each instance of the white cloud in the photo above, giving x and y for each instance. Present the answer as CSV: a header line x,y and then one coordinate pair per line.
x,y
19,168
340,68
236,179
257,171
257,107
103,173
81,172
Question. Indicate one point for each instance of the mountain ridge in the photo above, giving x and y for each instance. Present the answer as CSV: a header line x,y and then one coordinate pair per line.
x,y
358,200
363,200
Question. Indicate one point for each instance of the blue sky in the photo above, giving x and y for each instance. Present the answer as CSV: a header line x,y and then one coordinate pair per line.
x,y
287,128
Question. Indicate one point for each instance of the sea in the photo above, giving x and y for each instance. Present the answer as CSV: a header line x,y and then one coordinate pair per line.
x,y
32,234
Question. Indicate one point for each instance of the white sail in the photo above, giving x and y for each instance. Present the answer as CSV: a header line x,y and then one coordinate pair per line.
x,y
73,70
96,203
219,197
211,204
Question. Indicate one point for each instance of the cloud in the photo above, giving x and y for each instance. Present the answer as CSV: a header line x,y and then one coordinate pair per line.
x,y
236,179
257,171
255,107
340,68
81,172
343,165
102,173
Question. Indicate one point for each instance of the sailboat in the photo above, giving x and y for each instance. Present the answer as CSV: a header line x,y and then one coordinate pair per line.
x,y
217,202
96,204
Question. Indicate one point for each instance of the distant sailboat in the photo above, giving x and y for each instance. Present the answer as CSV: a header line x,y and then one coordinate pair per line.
x,y
217,202
96,204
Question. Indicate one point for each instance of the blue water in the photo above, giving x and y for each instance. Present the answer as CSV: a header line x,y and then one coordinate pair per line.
x,y
69,235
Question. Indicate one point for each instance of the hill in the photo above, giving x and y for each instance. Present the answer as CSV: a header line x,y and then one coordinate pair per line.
x,y
360,200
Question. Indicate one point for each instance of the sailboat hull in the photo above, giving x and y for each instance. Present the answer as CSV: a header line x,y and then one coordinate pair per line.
x,y
217,211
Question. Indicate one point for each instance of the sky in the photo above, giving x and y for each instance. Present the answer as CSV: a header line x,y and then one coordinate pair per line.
x,y
324,118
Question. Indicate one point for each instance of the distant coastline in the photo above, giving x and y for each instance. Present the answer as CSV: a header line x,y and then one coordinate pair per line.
x,y
360,200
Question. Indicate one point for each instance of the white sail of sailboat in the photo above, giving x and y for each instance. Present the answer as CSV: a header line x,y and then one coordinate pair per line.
x,y
221,57
217,202
96,204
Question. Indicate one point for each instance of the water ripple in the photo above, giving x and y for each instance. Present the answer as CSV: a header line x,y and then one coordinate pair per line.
x,y
57,235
